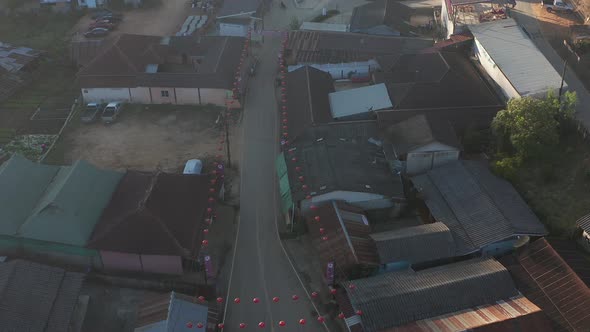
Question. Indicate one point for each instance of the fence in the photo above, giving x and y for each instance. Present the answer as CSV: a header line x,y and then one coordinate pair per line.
x,y
73,112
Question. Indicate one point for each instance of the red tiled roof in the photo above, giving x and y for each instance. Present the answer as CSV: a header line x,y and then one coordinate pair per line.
x,y
544,277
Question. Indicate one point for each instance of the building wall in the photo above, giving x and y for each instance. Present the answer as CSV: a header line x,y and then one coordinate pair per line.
x,y
140,95
163,96
105,95
117,261
447,23
428,156
161,264
494,71
187,96
214,96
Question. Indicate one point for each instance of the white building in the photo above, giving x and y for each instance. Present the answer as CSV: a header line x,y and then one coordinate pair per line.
x,y
422,144
513,61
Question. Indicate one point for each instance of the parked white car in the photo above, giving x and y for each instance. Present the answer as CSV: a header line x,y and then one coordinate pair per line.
x,y
111,112
193,166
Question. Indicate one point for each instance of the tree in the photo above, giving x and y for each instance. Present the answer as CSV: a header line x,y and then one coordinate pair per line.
x,y
294,25
530,127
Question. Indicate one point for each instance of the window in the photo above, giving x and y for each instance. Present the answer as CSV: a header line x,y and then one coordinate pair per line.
x,y
165,93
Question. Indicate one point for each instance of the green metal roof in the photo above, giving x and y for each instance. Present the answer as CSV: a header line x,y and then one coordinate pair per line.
x,y
55,204
22,184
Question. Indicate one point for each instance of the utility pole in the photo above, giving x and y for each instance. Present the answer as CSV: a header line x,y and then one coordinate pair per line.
x,y
562,79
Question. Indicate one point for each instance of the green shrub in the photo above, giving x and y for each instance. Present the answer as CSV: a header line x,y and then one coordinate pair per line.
x,y
507,167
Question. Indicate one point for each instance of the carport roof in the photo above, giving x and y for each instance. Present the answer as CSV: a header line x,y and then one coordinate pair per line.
x,y
154,214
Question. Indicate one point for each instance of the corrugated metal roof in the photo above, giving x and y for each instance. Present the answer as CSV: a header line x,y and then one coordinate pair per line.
x,y
415,244
14,58
543,277
320,26
71,204
516,56
170,312
574,256
37,298
419,131
360,100
478,207
511,315
398,298
584,223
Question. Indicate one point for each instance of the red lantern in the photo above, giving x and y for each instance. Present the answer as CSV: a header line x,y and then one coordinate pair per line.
x,y
199,325
322,231
189,325
359,312
206,231
211,190
301,178
317,218
209,210
220,325
285,113
298,169
304,187
282,323
283,100
285,127
324,238
351,286
283,89
237,300
295,297
302,321
321,319
205,243
275,299
313,207
284,83
211,199
341,315
285,121
284,108
261,325
314,294
213,181
256,300
219,300
285,134
201,298
294,159
333,291
242,325
219,148
308,197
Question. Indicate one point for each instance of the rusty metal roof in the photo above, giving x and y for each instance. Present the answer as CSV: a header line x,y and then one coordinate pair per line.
x,y
545,278
515,314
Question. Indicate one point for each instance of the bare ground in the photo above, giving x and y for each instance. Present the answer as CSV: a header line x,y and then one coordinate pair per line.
x,y
148,139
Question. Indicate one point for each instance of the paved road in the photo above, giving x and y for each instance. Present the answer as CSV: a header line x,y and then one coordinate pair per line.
x,y
525,16
260,268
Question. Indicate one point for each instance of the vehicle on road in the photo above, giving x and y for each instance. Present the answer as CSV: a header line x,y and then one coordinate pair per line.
x,y
91,111
557,6
110,113
96,33
102,24
193,166
105,13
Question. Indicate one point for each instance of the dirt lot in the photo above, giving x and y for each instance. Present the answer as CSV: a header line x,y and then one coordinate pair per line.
x,y
145,139
162,20
555,28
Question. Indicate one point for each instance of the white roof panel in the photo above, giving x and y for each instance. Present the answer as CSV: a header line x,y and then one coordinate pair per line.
x,y
527,69
360,100
320,26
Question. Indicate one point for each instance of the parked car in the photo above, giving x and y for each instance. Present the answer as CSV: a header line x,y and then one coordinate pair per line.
x,y
102,24
100,14
193,166
91,111
96,33
557,6
110,113
111,17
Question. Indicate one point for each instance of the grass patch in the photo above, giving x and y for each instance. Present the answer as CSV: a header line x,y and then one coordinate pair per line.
x,y
54,75
329,13
557,188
